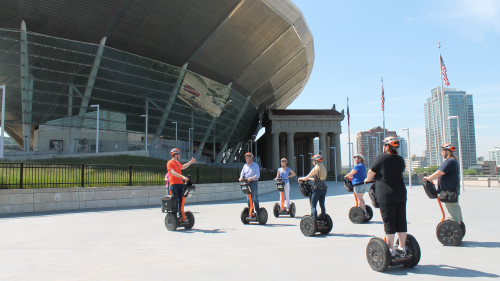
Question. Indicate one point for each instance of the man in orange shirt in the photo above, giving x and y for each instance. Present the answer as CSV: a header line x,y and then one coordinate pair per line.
x,y
174,168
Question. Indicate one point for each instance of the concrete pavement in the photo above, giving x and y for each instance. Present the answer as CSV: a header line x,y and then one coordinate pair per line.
x,y
133,244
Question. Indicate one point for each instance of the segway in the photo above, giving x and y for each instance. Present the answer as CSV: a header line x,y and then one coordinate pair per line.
x,y
379,256
448,232
249,215
280,186
169,205
356,214
308,224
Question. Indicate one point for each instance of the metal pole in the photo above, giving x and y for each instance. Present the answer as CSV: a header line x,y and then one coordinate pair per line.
x,y
175,133
3,121
409,155
335,159
348,133
383,111
443,124
97,133
349,147
311,159
255,137
459,152
302,164
190,146
146,139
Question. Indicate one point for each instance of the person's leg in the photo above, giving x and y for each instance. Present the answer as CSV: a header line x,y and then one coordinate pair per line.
x,y
177,192
388,213
455,211
322,204
401,224
361,202
314,202
255,195
287,195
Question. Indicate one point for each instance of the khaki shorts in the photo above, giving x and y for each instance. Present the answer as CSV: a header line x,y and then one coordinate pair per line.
x,y
360,188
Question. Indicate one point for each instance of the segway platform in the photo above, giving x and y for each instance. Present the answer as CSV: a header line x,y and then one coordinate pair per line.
x,y
169,206
248,214
379,256
280,186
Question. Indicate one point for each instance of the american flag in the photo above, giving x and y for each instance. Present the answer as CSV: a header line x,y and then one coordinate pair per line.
x,y
443,71
383,98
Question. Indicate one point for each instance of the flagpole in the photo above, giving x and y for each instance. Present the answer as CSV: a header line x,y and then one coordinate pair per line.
x,y
443,117
383,110
349,133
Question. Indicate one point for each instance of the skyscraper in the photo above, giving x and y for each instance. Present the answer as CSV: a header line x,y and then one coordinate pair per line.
x,y
369,143
456,103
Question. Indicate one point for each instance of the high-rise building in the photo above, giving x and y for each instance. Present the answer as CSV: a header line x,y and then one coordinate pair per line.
x,y
369,143
494,154
456,103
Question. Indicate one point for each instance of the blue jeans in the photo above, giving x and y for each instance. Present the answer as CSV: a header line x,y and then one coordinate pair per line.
x,y
254,185
318,195
177,192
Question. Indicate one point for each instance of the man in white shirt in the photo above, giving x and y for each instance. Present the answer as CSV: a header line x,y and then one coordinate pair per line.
x,y
251,172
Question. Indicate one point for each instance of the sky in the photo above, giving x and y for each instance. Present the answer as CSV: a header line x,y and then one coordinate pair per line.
x,y
357,42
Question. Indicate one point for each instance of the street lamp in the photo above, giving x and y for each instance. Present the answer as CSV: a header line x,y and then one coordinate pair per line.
x,y
459,151
190,146
350,156
3,120
295,162
97,137
175,133
255,138
335,160
311,159
409,155
302,164
146,139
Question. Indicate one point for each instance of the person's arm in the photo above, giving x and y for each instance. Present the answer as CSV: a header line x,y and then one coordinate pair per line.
x,y
242,173
351,173
256,171
369,177
277,175
436,175
188,164
308,177
174,173
292,174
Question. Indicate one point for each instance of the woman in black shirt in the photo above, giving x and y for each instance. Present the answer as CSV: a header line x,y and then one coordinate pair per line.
x,y
387,169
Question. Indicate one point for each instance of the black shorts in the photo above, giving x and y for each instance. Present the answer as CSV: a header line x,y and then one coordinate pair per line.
x,y
394,217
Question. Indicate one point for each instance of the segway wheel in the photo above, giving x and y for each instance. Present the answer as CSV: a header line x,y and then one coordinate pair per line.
x,y
292,210
308,225
276,210
449,233
244,216
171,221
329,224
413,249
190,218
462,225
262,216
378,254
356,215
370,212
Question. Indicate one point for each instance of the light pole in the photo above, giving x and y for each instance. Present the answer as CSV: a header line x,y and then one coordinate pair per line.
x,y
459,152
295,162
311,159
302,164
175,133
335,160
3,120
97,137
190,146
255,138
409,155
146,139
350,156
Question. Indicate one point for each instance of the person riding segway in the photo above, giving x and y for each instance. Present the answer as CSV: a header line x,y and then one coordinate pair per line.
x,y
283,186
310,224
449,232
249,176
361,212
390,191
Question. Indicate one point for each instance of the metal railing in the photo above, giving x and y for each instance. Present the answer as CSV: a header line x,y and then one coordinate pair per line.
x,y
32,175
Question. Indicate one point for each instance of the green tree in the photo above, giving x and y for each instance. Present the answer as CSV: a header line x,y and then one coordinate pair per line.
x,y
418,170
470,172
431,170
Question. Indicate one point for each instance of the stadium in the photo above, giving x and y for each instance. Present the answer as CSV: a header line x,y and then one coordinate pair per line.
x,y
192,70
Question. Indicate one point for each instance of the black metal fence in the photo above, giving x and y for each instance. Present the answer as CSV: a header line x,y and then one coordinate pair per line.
x,y
30,175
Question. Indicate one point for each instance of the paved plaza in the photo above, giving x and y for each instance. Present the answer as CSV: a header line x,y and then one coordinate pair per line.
x,y
133,244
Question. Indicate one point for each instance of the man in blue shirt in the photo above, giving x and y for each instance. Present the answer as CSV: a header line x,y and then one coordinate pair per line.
x,y
358,175
251,172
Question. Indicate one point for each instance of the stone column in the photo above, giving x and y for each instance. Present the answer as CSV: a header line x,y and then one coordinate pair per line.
x,y
322,147
282,148
310,149
290,153
333,159
327,152
336,139
275,151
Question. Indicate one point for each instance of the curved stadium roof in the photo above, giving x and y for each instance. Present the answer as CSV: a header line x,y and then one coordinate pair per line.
x,y
264,48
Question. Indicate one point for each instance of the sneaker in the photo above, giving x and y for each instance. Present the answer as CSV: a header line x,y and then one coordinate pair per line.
x,y
401,251
392,252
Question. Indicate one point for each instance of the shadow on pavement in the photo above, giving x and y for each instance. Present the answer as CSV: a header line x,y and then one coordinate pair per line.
x,y
474,244
351,235
278,225
439,270
208,231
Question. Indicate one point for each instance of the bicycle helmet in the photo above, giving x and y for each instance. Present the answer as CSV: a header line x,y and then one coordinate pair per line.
x,y
249,154
175,151
317,157
360,156
391,141
284,160
448,146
